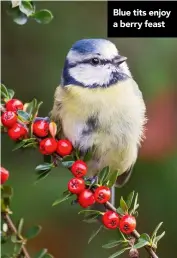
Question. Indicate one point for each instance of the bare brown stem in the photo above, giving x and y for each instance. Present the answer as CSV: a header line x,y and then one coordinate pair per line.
x,y
13,229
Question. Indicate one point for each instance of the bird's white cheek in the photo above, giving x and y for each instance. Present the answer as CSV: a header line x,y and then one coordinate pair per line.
x,y
89,75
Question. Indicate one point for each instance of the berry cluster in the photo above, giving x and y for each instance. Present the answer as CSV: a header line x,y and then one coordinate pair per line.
x,y
9,119
48,145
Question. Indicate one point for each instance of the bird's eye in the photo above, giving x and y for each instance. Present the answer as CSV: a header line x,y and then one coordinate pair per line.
x,y
95,61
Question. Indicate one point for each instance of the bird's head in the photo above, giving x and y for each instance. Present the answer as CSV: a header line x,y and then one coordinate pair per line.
x,y
94,63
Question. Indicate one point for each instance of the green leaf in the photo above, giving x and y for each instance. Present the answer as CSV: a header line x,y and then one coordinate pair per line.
x,y
48,256
43,16
119,252
26,8
157,238
120,211
88,156
4,91
18,145
91,212
63,198
20,226
68,161
20,19
91,218
7,191
41,254
112,244
67,164
141,242
156,230
36,109
43,175
32,232
11,93
30,107
112,178
44,166
123,205
94,234
130,199
23,116
103,174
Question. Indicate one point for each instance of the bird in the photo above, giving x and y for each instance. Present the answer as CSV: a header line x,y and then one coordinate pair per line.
x,y
100,107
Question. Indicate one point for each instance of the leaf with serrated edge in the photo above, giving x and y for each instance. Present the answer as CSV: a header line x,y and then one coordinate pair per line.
x,y
94,234
119,252
112,244
130,199
62,199
156,230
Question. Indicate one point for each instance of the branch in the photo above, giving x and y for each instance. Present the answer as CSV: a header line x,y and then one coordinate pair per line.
x,y
13,229
134,234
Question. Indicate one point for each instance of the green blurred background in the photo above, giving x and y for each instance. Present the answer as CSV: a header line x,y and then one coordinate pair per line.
x,y
32,59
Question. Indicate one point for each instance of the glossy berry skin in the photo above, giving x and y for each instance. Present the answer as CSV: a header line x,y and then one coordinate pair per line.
x,y
64,148
41,128
8,118
17,132
14,105
76,185
48,146
102,194
79,168
110,219
127,224
86,198
4,175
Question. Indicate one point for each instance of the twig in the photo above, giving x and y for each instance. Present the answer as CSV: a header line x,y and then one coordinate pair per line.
x,y
12,227
134,234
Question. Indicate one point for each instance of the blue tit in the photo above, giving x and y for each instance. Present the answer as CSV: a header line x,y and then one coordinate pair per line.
x,y
99,106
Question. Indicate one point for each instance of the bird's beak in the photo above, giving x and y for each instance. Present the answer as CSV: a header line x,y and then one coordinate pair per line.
x,y
120,59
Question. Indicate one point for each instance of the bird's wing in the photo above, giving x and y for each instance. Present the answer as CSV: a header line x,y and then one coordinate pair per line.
x,y
55,113
123,178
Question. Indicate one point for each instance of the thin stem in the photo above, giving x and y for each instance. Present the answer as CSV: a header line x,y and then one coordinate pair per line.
x,y
12,227
134,234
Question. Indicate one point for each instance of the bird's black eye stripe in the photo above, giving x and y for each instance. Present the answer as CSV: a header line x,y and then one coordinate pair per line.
x,y
95,61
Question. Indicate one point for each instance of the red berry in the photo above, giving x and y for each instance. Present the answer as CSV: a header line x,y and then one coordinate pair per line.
x,y
127,224
17,131
79,168
41,128
86,198
76,185
4,175
64,147
110,219
48,146
14,105
102,194
8,118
